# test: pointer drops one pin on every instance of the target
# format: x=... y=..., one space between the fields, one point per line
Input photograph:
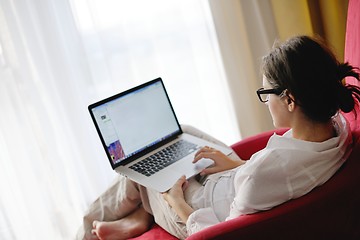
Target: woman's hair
x=309 y=70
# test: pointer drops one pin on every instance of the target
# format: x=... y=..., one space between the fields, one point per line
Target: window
x=130 y=42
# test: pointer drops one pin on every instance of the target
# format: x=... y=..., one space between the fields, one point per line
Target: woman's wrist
x=183 y=209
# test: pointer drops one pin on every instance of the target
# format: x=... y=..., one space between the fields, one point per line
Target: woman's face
x=277 y=107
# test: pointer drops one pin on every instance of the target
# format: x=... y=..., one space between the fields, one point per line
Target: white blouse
x=285 y=169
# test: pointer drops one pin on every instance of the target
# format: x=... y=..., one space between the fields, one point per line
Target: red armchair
x=330 y=211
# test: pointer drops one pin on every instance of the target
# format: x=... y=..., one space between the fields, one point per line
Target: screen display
x=136 y=120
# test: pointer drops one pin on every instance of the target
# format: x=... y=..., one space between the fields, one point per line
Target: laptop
x=143 y=139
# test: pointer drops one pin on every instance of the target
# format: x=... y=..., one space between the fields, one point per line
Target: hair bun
x=345 y=99
x=345 y=70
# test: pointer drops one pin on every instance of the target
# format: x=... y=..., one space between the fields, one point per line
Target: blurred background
x=59 y=56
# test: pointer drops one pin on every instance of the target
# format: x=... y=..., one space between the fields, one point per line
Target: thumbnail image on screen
x=116 y=151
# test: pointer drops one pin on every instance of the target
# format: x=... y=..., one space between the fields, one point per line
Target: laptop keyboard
x=164 y=158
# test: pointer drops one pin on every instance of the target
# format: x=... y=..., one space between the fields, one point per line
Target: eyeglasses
x=263 y=94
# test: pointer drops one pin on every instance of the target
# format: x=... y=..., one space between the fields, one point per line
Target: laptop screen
x=135 y=122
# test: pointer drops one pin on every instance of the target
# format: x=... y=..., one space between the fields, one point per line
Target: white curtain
x=246 y=31
x=57 y=57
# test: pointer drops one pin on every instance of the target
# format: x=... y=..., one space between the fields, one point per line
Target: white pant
x=124 y=196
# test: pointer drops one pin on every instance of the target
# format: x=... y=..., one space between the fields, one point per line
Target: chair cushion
x=155 y=232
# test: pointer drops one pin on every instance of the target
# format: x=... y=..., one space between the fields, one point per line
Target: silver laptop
x=143 y=139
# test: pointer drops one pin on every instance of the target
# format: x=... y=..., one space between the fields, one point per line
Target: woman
x=303 y=88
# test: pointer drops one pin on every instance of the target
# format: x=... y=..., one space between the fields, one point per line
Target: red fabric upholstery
x=352 y=48
x=155 y=233
x=331 y=211
x=352 y=40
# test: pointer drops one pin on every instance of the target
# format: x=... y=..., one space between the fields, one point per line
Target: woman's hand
x=176 y=200
x=176 y=193
x=221 y=161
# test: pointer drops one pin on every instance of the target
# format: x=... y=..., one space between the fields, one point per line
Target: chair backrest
x=352 y=50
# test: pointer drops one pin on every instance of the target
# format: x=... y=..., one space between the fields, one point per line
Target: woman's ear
x=290 y=102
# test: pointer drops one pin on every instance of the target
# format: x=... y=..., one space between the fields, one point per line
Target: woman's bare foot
x=130 y=226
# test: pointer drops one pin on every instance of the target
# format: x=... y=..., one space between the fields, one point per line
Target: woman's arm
x=175 y=198
x=221 y=161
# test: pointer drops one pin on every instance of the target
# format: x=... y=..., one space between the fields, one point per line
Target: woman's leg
x=200 y=134
x=130 y=226
x=120 y=200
